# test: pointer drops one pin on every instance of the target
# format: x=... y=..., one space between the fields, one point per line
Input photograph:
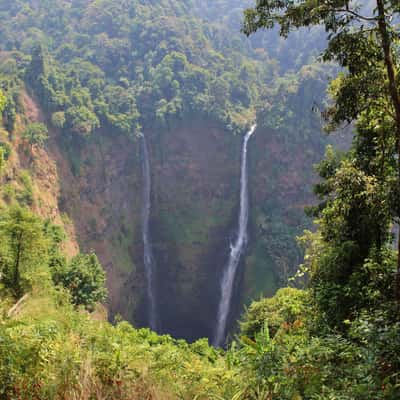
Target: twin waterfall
x=148 y=258
x=229 y=274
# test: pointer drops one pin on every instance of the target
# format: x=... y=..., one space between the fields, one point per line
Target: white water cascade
x=229 y=274
x=148 y=258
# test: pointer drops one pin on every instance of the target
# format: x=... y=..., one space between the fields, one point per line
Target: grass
x=49 y=350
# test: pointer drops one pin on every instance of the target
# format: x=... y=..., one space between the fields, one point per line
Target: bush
x=58 y=119
x=284 y=309
x=35 y=134
x=85 y=279
x=2 y=101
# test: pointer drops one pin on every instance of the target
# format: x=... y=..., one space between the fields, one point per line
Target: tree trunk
x=17 y=275
x=386 y=44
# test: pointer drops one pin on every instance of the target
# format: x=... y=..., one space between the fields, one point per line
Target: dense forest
x=84 y=84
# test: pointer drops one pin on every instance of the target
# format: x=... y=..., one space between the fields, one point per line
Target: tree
x=37 y=69
x=2 y=105
x=84 y=277
x=2 y=160
x=281 y=311
x=31 y=254
x=363 y=42
x=349 y=258
x=58 y=119
x=2 y=101
x=35 y=134
x=23 y=249
x=81 y=120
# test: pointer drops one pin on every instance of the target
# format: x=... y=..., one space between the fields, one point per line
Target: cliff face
x=101 y=193
x=31 y=176
x=281 y=179
x=195 y=168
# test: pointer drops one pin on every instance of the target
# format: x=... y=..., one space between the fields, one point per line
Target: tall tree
x=2 y=101
x=361 y=38
x=37 y=67
x=36 y=135
x=23 y=249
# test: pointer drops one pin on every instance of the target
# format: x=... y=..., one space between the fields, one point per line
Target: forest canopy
x=107 y=63
x=124 y=65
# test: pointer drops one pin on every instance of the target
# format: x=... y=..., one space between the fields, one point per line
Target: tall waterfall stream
x=149 y=263
x=229 y=274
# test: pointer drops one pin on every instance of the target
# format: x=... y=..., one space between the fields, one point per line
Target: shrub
x=85 y=279
x=284 y=309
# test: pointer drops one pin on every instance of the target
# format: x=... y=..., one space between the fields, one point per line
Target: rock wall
x=196 y=167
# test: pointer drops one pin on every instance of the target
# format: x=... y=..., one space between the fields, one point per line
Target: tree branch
x=359 y=16
x=15 y=307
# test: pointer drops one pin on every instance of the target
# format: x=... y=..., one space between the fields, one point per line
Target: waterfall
x=229 y=274
x=148 y=258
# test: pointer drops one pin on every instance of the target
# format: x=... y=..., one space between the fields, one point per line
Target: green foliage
x=5 y=150
x=2 y=101
x=30 y=253
x=287 y=307
x=129 y=70
x=302 y=361
x=358 y=189
x=292 y=98
x=121 y=65
x=84 y=278
x=69 y=356
x=350 y=251
x=58 y=119
x=51 y=350
x=35 y=134
x=10 y=86
x=2 y=160
x=23 y=250
x=10 y=114
x=82 y=120
x=25 y=195
x=350 y=264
